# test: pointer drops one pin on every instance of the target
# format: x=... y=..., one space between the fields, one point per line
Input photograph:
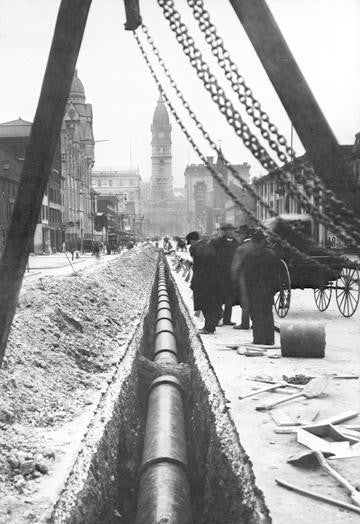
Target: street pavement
x=61 y=264
x=268 y=450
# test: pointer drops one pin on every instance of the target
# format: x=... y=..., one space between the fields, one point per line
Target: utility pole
x=44 y=137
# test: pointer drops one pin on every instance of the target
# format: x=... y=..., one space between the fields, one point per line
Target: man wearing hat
x=203 y=283
x=225 y=246
x=261 y=270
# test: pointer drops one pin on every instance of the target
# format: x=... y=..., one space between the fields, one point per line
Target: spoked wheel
x=348 y=291
x=283 y=296
x=322 y=297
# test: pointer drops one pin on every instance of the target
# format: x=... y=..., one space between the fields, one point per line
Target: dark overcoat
x=261 y=269
x=224 y=249
x=203 y=282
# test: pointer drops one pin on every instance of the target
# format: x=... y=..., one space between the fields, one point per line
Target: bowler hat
x=227 y=225
x=193 y=235
x=258 y=234
x=244 y=228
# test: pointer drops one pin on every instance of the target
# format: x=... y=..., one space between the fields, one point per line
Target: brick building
x=14 y=137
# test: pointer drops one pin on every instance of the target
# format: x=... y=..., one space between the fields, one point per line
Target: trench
x=102 y=487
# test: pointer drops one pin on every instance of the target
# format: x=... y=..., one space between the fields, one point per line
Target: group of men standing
x=236 y=268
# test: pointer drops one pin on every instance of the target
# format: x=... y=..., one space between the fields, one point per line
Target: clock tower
x=161 y=174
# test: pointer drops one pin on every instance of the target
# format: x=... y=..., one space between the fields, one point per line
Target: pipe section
x=164 y=490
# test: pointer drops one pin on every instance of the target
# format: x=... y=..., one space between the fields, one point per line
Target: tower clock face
x=161 y=134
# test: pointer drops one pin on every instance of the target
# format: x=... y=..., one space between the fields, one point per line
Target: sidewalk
x=60 y=264
x=268 y=450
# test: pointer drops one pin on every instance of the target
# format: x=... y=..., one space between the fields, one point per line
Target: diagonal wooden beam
x=45 y=132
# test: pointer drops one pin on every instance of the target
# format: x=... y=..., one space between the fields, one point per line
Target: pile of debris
x=66 y=338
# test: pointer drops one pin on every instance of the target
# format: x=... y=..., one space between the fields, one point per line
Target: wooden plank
x=318 y=496
x=281 y=418
x=336 y=419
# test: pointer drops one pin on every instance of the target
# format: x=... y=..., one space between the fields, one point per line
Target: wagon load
x=324 y=272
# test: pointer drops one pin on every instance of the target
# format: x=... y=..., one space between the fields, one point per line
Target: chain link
x=208 y=138
x=260 y=118
x=234 y=118
x=276 y=238
x=245 y=95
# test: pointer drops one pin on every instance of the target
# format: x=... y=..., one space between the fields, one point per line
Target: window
x=6 y=165
x=110 y=183
x=99 y=183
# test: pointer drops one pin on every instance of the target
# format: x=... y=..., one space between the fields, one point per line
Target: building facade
x=77 y=160
x=271 y=189
x=10 y=172
x=66 y=211
x=14 y=137
x=125 y=185
x=207 y=204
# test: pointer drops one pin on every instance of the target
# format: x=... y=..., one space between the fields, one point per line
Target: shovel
x=314 y=388
x=268 y=388
x=311 y=458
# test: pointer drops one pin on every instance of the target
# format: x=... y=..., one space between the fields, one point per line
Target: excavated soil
x=68 y=336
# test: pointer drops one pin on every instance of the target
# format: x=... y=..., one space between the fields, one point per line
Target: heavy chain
x=245 y=95
x=208 y=138
x=234 y=118
x=260 y=118
x=276 y=238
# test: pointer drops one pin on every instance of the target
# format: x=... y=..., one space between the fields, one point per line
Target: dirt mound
x=67 y=335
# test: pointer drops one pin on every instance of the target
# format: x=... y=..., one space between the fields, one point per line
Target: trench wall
x=102 y=487
x=221 y=476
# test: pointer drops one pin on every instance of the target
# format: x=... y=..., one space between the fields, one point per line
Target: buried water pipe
x=164 y=488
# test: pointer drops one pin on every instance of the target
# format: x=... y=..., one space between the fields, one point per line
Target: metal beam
x=45 y=131
x=294 y=93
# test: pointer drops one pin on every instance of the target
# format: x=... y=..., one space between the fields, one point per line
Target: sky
x=323 y=35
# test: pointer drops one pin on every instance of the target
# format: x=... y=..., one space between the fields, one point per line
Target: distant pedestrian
x=203 y=283
x=225 y=247
x=181 y=245
x=237 y=274
x=261 y=270
x=72 y=251
x=96 y=250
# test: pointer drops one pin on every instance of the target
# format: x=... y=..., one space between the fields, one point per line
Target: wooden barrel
x=302 y=339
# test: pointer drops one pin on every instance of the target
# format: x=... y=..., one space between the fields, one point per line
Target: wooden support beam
x=45 y=132
x=295 y=94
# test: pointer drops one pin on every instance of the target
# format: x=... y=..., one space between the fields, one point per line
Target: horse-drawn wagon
x=323 y=272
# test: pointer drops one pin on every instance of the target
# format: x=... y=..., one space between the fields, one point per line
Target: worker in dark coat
x=237 y=274
x=261 y=270
x=203 y=283
x=225 y=247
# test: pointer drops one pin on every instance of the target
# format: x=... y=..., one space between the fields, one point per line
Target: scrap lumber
x=317 y=496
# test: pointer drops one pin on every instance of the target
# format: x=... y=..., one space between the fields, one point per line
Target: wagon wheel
x=322 y=296
x=347 y=291
x=283 y=296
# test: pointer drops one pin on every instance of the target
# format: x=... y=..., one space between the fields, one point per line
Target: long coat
x=204 y=275
x=237 y=271
x=225 y=249
x=261 y=270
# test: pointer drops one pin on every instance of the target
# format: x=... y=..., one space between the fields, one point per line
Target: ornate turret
x=161 y=176
x=77 y=91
